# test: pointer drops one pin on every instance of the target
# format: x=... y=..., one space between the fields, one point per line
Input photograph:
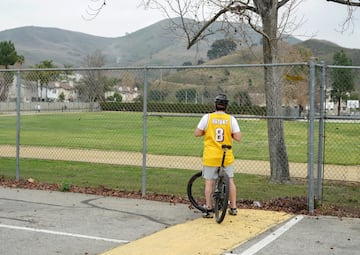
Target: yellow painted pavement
x=204 y=236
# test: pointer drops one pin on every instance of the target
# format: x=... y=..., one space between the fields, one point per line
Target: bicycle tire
x=221 y=197
x=197 y=198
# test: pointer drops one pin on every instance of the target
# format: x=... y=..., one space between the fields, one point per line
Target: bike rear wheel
x=221 y=197
x=195 y=191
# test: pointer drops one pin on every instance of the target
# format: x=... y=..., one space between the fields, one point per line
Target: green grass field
x=168 y=136
x=171 y=135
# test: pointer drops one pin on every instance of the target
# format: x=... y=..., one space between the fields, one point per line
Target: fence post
x=143 y=186
x=18 y=99
x=311 y=135
x=320 y=165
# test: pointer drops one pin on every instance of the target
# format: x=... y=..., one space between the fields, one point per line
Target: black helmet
x=221 y=102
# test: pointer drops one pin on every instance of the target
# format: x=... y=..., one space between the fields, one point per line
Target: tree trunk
x=279 y=164
x=339 y=106
x=2 y=89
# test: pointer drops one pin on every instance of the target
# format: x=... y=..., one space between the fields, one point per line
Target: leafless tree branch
x=351 y=4
x=346 y=2
x=92 y=12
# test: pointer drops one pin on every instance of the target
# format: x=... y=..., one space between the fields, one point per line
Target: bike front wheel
x=221 y=197
x=195 y=191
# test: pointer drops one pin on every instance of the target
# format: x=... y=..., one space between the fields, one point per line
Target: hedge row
x=180 y=108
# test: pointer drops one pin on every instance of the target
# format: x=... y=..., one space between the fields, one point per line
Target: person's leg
x=232 y=195
x=209 y=183
x=232 y=190
x=209 y=175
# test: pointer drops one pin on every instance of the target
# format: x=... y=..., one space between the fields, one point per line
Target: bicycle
x=195 y=190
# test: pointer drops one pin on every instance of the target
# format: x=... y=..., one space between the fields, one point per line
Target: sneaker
x=208 y=214
x=233 y=211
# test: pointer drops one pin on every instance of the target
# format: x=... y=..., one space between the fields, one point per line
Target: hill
x=63 y=47
x=151 y=45
x=157 y=44
x=324 y=50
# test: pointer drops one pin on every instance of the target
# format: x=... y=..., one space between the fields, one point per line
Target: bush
x=180 y=108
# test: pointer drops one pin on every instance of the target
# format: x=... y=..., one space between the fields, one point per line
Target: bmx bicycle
x=220 y=195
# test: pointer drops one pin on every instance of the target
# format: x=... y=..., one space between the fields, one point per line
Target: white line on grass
x=271 y=237
x=62 y=233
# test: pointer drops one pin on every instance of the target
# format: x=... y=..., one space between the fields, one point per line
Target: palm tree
x=45 y=76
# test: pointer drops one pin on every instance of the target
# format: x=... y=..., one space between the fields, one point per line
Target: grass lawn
x=168 y=136
x=171 y=135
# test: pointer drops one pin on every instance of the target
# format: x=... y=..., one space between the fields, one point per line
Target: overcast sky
x=322 y=19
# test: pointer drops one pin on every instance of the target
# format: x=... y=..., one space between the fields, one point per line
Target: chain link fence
x=339 y=119
x=146 y=117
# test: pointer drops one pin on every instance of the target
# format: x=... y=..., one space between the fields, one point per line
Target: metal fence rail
x=159 y=107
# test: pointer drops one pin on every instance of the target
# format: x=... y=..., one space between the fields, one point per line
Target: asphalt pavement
x=48 y=222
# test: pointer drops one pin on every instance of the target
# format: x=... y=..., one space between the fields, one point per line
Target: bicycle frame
x=221 y=168
x=221 y=190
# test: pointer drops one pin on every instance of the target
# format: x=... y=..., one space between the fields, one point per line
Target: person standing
x=218 y=128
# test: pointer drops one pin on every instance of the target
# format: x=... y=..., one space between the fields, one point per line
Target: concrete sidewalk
x=45 y=222
x=310 y=235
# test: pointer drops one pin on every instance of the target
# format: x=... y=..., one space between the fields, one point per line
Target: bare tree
x=261 y=16
x=197 y=18
x=92 y=85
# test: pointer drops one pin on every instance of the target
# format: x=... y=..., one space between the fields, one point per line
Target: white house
x=128 y=95
x=31 y=91
x=55 y=89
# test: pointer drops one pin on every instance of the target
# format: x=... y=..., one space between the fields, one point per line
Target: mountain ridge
x=152 y=45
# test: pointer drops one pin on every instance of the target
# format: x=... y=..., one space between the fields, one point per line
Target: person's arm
x=198 y=132
x=236 y=136
x=200 y=129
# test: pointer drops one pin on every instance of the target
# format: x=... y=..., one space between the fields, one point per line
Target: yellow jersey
x=217 y=133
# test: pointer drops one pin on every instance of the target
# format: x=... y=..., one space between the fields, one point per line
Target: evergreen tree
x=221 y=48
x=8 y=54
x=8 y=57
x=342 y=79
